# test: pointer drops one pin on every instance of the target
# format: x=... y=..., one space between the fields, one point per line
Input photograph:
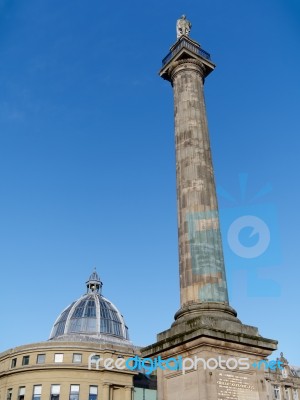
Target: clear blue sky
x=87 y=158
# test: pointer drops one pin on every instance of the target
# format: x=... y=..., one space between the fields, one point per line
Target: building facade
x=283 y=384
x=71 y=364
x=60 y=370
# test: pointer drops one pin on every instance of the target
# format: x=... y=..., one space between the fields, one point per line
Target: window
x=295 y=394
x=77 y=358
x=58 y=357
x=9 y=394
x=94 y=361
x=93 y=394
x=284 y=372
x=276 y=392
x=13 y=363
x=55 y=392
x=74 y=392
x=287 y=393
x=25 y=360
x=21 y=393
x=37 y=391
x=40 y=358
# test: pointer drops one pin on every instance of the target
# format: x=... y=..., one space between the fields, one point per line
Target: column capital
x=184 y=50
x=189 y=64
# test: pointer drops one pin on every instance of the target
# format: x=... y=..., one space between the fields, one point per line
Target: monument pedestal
x=221 y=352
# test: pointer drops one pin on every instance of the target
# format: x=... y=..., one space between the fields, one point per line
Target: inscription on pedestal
x=233 y=386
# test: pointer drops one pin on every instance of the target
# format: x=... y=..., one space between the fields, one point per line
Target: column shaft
x=106 y=392
x=128 y=393
x=202 y=271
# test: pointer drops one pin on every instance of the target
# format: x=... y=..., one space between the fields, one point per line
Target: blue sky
x=87 y=169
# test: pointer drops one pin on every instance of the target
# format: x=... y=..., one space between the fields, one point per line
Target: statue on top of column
x=183 y=27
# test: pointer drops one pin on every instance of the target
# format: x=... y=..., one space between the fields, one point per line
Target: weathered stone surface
x=202 y=270
x=209 y=339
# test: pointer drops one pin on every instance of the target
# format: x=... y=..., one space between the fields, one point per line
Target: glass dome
x=91 y=317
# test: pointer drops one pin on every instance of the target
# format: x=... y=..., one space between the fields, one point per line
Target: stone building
x=66 y=366
x=283 y=384
x=69 y=365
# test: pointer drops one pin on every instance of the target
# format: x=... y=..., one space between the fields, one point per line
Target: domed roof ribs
x=92 y=317
x=75 y=304
x=94 y=283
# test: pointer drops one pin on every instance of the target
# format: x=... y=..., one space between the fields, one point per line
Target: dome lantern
x=94 y=283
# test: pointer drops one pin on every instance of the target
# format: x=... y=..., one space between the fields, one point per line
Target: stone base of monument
x=215 y=357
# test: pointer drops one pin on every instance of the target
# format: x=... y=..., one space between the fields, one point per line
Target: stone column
x=106 y=391
x=128 y=393
x=202 y=271
x=206 y=326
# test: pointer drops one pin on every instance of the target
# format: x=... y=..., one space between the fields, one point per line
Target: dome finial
x=94 y=283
